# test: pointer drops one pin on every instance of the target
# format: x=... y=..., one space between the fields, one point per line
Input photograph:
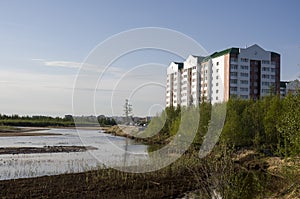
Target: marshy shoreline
x=45 y=149
x=188 y=177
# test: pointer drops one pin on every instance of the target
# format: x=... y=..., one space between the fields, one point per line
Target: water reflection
x=32 y=165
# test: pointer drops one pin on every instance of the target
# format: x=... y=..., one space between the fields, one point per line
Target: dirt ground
x=45 y=149
x=100 y=184
x=24 y=131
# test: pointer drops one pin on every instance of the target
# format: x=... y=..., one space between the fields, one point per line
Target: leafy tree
x=273 y=111
x=289 y=126
x=127 y=111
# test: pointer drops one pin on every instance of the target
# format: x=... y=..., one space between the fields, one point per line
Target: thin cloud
x=37 y=59
x=79 y=65
x=66 y=64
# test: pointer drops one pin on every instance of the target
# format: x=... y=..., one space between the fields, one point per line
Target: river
x=111 y=151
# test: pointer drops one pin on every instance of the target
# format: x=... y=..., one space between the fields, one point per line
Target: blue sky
x=44 y=42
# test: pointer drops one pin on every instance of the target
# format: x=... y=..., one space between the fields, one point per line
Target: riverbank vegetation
x=269 y=128
x=48 y=121
x=270 y=125
x=34 y=121
x=261 y=139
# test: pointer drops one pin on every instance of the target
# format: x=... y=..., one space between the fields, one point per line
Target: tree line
x=271 y=124
x=39 y=120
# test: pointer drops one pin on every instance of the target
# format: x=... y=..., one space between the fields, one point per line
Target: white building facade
x=249 y=73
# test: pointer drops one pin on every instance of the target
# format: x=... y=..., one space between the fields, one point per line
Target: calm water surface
x=112 y=151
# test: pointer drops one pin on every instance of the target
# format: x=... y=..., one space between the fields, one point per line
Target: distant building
x=287 y=87
x=283 y=88
x=68 y=117
x=293 y=87
x=247 y=73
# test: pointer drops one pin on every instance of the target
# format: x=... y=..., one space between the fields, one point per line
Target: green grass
x=4 y=128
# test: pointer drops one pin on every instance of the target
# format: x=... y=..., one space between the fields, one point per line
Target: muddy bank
x=24 y=131
x=9 y=131
x=45 y=149
x=15 y=134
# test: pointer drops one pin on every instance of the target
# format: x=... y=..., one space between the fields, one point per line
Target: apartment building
x=247 y=73
x=183 y=82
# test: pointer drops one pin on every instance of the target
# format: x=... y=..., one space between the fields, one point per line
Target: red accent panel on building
x=275 y=58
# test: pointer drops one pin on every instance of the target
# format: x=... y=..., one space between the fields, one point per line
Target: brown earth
x=45 y=149
x=25 y=131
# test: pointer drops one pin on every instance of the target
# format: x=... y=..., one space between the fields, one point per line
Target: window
x=272 y=76
x=244 y=96
x=217 y=63
x=265 y=83
x=244 y=67
x=272 y=70
x=244 y=60
x=233 y=74
x=217 y=77
x=217 y=98
x=217 y=91
x=233 y=88
x=244 y=81
x=265 y=90
x=217 y=84
x=233 y=81
x=265 y=62
x=217 y=70
x=233 y=59
x=266 y=76
x=244 y=89
x=244 y=74
x=233 y=66
x=265 y=69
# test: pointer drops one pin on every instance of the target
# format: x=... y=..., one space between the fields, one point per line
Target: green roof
x=218 y=54
x=180 y=65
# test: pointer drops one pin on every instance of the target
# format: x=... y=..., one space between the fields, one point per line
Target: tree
x=289 y=126
x=127 y=111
